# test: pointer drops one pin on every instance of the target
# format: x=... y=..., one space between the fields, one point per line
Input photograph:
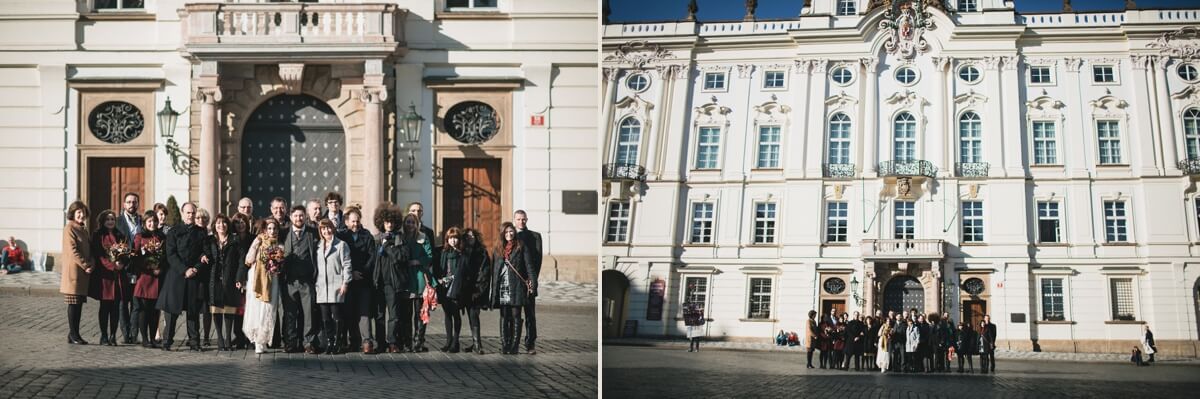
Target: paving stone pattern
x=35 y=361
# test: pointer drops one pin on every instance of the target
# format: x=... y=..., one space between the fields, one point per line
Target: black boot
x=74 y=312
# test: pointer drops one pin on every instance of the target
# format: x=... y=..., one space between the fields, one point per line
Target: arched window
x=629 y=137
x=839 y=139
x=1191 y=132
x=905 y=138
x=970 y=138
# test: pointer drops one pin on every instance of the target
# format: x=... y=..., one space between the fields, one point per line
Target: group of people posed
x=908 y=342
x=309 y=278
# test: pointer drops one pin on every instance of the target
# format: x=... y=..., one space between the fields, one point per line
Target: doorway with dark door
x=473 y=197
x=903 y=293
x=973 y=312
x=839 y=304
x=110 y=178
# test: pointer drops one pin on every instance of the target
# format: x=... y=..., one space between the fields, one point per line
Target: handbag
x=528 y=285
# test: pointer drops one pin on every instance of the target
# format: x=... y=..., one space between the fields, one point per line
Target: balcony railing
x=912 y=168
x=971 y=169
x=630 y=172
x=902 y=249
x=223 y=29
x=1190 y=166
x=839 y=170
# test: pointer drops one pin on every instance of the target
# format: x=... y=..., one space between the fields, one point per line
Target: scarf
x=508 y=248
x=262 y=278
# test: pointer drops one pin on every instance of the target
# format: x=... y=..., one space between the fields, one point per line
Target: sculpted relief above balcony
x=305 y=31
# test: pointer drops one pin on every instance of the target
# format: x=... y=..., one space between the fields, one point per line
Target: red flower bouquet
x=120 y=252
x=273 y=258
x=153 y=251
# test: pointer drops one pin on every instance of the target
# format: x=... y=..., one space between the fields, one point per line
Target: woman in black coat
x=476 y=290
x=450 y=273
x=224 y=284
x=967 y=346
x=513 y=280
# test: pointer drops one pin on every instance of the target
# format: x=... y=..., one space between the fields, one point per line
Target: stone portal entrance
x=294 y=147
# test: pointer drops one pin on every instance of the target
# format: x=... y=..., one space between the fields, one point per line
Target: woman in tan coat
x=76 y=267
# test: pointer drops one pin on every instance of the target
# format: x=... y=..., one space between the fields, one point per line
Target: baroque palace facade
x=886 y=155
x=464 y=105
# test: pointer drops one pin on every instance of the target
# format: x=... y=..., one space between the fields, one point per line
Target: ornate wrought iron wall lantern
x=410 y=129
x=181 y=161
x=854 y=290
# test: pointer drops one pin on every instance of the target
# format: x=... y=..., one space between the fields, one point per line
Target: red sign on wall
x=654 y=306
x=537 y=120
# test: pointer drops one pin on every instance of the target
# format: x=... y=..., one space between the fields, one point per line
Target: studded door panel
x=294 y=148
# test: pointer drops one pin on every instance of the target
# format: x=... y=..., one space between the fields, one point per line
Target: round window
x=638 y=82
x=906 y=76
x=1188 y=72
x=969 y=73
x=835 y=285
x=116 y=122
x=842 y=75
x=471 y=122
x=973 y=286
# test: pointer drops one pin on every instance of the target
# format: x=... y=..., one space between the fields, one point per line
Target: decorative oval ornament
x=471 y=122
x=835 y=285
x=973 y=286
x=116 y=122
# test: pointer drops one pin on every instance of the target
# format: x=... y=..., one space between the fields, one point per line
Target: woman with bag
x=477 y=288
x=450 y=274
x=513 y=266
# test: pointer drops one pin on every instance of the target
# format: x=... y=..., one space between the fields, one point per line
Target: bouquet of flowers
x=153 y=251
x=119 y=252
x=273 y=258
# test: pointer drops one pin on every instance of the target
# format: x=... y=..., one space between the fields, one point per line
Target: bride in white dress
x=262 y=289
x=881 y=357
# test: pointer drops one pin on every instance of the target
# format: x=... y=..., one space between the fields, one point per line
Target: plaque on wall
x=579 y=202
x=1018 y=317
x=654 y=306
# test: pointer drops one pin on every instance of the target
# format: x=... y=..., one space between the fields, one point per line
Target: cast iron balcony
x=902 y=249
x=624 y=172
x=1190 y=166
x=914 y=168
x=839 y=170
x=971 y=169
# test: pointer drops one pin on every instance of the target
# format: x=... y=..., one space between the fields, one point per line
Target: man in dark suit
x=130 y=224
x=299 y=280
x=987 y=337
x=333 y=211
x=183 y=283
x=855 y=334
x=532 y=241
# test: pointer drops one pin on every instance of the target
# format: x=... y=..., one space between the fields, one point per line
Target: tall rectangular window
x=845 y=7
x=714 y=81
x=695 y=290
x=1048 y=221
x=836 y=221
x=968 y=5
x=839 y=139
x=760 y=298
x=764 y=223
x=703 y=217
x=768 y=147
x=1122 y=298
x=708 y=148
x=629 y=138
x=972 y=221
x=905 y=140
x=774 y=80
x=905 y=220
x=970 y=138
x=1040 y=74
x=618 y=222
x=1109 y=135
x=1191 y=132
x=1103 y=74
x=1052 y=299
x=1045 y=146
x=1115 y=222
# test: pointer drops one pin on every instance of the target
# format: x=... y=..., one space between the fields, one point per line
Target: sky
x=710 y=10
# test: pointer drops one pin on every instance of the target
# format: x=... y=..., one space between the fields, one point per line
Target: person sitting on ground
x=1137 y=357
x=11 y=257
x=781 y=338
x=793 y=339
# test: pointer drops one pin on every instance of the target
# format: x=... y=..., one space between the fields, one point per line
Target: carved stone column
x=208 y=96
x=373 y=98
x=870 y=158
x=1165 y=115
x=869 y=287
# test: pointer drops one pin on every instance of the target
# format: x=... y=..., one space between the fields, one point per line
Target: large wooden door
x=973 y=312
x=473 y=196
x=903 y=293
x=110 y=178
x=839 y=304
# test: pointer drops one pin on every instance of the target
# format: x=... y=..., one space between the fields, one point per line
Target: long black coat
x=532 y=241
x=521 y=261
x=226 y=264
x=855 y=329
x=453 y=263
x=390 y=261
x=968 y=342
x=479 y=287
x=185 y=246
x=362 y=245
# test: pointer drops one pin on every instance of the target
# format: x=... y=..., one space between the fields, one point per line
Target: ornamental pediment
x=712 y=113
x=638 y=54
x=772 y=111
x=970 y=99
x=1183 y=43
x=906 y=99
x=1191 y=92
x=840 y=101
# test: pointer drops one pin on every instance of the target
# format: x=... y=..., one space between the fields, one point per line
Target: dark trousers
x=968 y=359
x=331 y=313
x=453 y=323
x=301 y=319
x=418 y=326
x=987 y=361
x=530 y=323
x=510 y=328
x=473 y=320
x=826 y=357
x=193 y=328
x=399 y=317
x=857 y=360
x=147 y=317
x=369 y=307
x=940 y=359
x=897 y=353
x=108 y=319
x=810 y=353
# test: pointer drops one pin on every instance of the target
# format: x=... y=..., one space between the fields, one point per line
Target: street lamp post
x=410 y=128
x=854 y=290
x=181 y=162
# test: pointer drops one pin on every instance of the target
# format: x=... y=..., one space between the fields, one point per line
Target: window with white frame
x=764 y=223
x=1191 y=132
x=972 y=221
x=905 y=138
x=618 y=222
x=768 y=147
x=703 y=218
x=1052 y=299
x=1040 y=75
x=969 y=73
x=905 y=220
x=470 y=4
x=1187 y=72
x=906 y=76
x=1045 y=145
x=637 y=82
x=1049 y=222
x=708 y=147
x=1104 y=74
x=842 y=76
x=845 y=7
x=119 y=5
x=837 y=223
x=695 y=290
x=1116 y=222
x=1108 y=133
x=714 y=81
x=968 y=5
x=839 y=139
x=774 y=80
x=760 y=298
x=1121 y=292
x=629 y=138
x=970 y=138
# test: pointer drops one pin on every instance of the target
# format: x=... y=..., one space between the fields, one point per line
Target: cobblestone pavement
x=1000 y=354
x=35 y=361
x=662 y=372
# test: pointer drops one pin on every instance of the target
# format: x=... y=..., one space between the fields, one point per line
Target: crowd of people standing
x=908 y=342
x=309 y=278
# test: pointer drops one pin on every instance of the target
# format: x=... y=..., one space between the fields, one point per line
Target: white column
x=209 y=96
x=373 y=98
x=1013 y=128
x=1166 y=118
x=870 y=134
x=803 y=144
x=654 y=130
x=939 y=133
x=994 y=126
x=1141 y=131
x=610 y=90
x=815 y=91
x=1078 y=143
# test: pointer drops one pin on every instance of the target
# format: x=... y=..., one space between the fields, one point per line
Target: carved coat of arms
x=905 y=21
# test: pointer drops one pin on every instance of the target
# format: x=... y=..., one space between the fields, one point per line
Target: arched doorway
x=616 y=289
x=902 y=293
x=293 y=147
